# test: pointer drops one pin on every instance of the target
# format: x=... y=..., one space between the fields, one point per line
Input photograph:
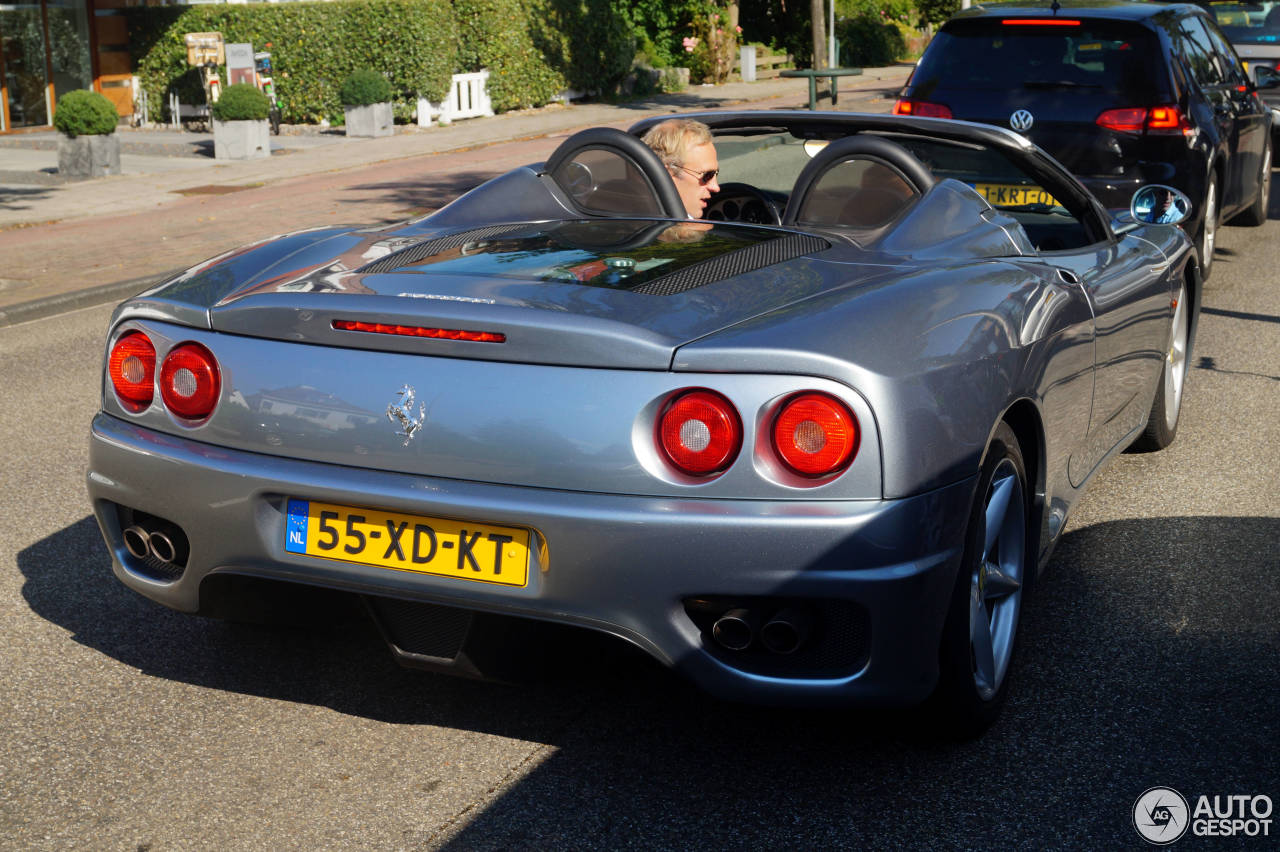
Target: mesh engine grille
x=738 y=262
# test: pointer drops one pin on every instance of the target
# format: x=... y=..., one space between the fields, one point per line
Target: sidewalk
x=53 y=230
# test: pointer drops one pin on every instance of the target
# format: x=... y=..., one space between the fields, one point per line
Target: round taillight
x=815 y=434
x=132 y=367
x=700 y=432
x=189 y=381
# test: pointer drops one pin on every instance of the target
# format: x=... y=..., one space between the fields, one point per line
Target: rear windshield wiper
x=1059 y=84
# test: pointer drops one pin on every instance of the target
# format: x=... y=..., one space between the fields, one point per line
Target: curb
x=52 y=305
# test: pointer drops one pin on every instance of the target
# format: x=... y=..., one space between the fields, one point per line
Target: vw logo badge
x=1021 y=120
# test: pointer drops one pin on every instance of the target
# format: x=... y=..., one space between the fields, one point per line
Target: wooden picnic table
x=814 y=73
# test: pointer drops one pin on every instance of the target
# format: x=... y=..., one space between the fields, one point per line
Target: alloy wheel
x=1265 y=189
x=1209 y=230
x=995 y=588
x=1175 y=362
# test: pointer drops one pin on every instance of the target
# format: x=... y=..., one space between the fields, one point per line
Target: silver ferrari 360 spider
x=810 y=449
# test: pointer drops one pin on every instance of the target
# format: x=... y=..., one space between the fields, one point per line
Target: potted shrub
x=240 y=129
x=88 y=146
x=366 y=104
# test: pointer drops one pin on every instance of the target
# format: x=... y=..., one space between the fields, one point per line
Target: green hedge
x=590 y=42
x=314 y=47
x=868 y=40
x=495 y=34
x=534 y=49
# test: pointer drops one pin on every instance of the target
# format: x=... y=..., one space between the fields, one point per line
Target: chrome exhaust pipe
x=163 y=543
x=786 y=631
x=736 y=629
x=162 y=547
x=136 y=541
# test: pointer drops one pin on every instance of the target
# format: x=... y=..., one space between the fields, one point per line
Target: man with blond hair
x=686 y=149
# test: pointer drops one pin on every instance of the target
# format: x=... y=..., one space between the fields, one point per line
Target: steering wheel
x=742 y=202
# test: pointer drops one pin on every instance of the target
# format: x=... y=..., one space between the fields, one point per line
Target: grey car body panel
x=568 y=428
x=600 y=561
x=931 y=332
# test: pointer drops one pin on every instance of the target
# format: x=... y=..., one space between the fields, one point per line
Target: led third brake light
x=420 y=331
x=1040 y=22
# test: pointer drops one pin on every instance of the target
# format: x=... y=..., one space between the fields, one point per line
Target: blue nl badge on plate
x=295 y=535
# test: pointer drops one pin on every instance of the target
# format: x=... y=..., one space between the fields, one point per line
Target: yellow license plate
x=461 y=549
x=1014 y=195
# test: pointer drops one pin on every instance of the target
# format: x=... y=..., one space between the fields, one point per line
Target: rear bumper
x=618 y=564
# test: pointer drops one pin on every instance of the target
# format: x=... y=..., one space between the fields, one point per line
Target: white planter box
x=88 y=156
x=241 y=140
x=371 y=120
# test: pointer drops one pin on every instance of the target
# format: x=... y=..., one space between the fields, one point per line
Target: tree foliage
x=936 y=11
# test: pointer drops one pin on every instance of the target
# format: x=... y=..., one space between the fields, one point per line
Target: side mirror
x=1265 y=77
x=1156 y=204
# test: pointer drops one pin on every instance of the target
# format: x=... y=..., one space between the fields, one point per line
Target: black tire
x=1207 y=238
x=1162 y=422
x=986 y=601
x=1256 y=213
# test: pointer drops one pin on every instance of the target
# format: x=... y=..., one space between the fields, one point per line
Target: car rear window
x=1248 y=23
x=1110 y=56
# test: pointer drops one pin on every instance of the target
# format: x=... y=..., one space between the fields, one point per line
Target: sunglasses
x=704 y=178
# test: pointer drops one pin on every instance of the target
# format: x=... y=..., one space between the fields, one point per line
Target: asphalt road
x=1150 y=657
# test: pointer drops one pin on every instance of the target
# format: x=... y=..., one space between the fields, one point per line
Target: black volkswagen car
x=1122 y=94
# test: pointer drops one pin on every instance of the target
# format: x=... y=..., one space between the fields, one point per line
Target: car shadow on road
x=1147 y=658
